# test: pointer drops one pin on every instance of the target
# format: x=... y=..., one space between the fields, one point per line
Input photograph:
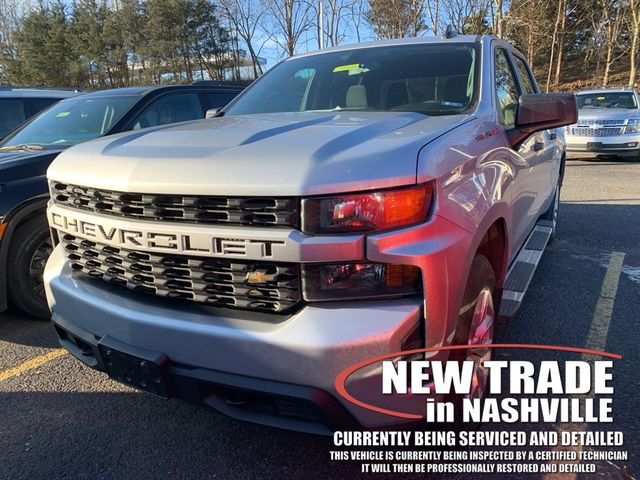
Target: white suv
x=608 y=124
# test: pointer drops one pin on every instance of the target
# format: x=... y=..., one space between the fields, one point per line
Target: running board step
x=521 y=271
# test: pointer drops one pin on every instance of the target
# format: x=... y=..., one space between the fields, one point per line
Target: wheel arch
x=493 y=245
x=492 y=241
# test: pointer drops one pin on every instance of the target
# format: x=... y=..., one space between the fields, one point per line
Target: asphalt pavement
x=59 y=419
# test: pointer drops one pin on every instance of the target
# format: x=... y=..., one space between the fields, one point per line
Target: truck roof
x=37 y=92
x=480 y=39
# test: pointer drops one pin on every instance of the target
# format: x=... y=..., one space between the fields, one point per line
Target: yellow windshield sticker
x=343 y=68
x=601 y=98
x=353 y=69
x=63 y=114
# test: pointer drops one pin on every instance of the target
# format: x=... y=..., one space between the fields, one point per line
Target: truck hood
x=303 y=153
x=607 y=114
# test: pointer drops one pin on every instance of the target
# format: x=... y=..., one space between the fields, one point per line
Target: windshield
x=589 y=101
x=433 y=79
x=72 y=121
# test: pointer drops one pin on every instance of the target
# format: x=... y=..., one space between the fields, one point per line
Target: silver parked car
x=608 y=124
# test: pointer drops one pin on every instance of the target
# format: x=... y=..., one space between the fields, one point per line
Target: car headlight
x=367 y=211
x=633 y=126
x=351 y=281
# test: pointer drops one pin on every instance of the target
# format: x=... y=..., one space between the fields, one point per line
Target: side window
x=179 y=107
x=292 y=97
x=12 y=114
x=39 y=104
x=506 y=89
x=525 y=76
x=216 y=100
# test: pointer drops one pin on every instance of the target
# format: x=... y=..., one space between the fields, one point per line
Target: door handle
x=553 y=135
x=538 y=146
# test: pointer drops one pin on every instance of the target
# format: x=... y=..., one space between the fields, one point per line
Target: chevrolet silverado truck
x=353 y=202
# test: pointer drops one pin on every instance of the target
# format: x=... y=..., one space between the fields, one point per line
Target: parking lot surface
x=60 y=419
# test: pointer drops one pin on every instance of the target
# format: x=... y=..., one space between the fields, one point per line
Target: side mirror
x=541 y=112
x=212 y=112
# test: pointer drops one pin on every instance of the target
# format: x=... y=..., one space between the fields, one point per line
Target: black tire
x=480 y=287
x=28 y=252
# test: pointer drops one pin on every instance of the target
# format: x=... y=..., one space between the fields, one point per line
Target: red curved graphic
x=342 y=376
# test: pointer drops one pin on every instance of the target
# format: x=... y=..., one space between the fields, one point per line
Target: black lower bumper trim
x=267 y=402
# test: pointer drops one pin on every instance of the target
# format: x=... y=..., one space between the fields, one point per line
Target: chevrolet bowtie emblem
x=260 y=276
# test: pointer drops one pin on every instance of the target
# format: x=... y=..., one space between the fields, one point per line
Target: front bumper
x=296 y=357
x=307 y=349
x=592 y=146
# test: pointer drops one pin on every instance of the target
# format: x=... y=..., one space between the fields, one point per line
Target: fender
x=497 y=213
x=15 y=217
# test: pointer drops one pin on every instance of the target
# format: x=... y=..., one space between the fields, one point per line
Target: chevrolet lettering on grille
x=185 y=243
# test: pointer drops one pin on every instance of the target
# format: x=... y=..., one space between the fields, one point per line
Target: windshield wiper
x=30 y=148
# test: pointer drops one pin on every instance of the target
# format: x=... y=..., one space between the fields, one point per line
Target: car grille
x=256 y=211
x=607 y=122
x=597 y=132
x=598 y=128
x=264 y=287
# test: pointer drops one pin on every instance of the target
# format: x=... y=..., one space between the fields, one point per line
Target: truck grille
x=256 y=211
x=262 y=287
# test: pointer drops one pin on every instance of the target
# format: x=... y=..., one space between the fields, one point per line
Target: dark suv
x=26 y=153
x=17 y=104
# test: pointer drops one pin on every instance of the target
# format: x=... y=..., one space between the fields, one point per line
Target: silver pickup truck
x=352 y=202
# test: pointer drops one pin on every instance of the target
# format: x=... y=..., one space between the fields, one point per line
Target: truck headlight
x=633 y=126
x=367 y=211
x=351 y=281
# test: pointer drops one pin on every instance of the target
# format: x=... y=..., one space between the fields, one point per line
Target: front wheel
x=28 y=253
x=476 y=326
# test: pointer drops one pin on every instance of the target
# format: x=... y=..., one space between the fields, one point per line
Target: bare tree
x=433 y=12
x=245 y=16
x=530 y=36
x=634 y=10
x=562 y=33
x=288 y=20
x=498 y=28
x=338 y=17
x=466 y=16
x=357 y=17
x=612 y=24
x=556 y=29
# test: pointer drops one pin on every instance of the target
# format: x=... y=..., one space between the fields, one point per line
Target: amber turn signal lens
x=355 y=281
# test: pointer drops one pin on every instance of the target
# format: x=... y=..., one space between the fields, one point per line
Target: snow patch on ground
x=632 y=273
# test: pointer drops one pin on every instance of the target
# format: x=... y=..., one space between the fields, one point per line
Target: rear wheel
x=28 y=253
x=476 y=326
